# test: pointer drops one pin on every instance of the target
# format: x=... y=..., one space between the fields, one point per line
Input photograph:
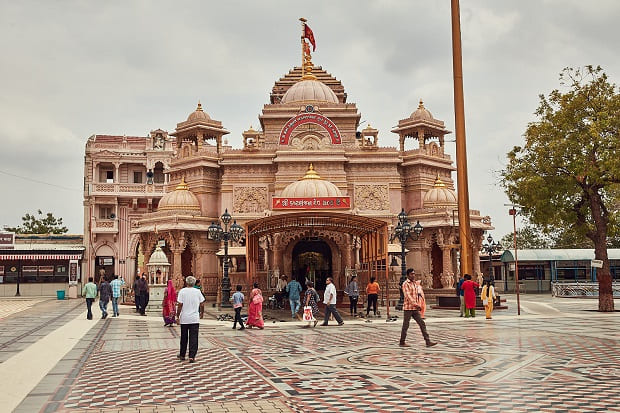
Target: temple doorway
x=312 y=260
x=437 y=261
x=186 y=262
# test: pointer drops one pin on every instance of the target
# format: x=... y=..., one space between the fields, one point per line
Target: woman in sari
x=169 y=305
x=255 y=311
x=488 y=296
x=310 y=299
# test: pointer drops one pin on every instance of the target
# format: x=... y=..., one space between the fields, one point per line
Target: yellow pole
x=461 y=151
x=303 y=33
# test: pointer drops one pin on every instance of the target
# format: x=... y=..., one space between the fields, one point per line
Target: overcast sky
x=73 y=69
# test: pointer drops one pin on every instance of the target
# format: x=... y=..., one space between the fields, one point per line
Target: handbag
x=257 y=299
x=308 y=316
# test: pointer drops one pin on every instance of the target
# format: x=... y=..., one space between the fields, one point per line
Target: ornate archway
x=372 y=234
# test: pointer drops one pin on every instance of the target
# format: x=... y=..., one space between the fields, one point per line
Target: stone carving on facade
x=249 y=199
x=310 y=142
x=372 y=197
x=447 y=280
x=426 y=280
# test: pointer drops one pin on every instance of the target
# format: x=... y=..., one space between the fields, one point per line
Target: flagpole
x=303 y=33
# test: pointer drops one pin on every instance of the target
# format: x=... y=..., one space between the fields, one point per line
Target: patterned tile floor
x=563 y=359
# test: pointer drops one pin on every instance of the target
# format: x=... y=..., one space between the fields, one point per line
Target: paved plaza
x=560 y=355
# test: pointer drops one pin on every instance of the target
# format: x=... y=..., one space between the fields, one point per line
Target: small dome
x=309 y=90
x=439 y=196
x=198 y=115
x=181 y=198
x=422 y=113
x=158 y=258
x=309 y=186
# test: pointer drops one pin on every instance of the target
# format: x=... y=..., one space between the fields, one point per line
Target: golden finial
x=182 y=186
x=421 y=105
x=439 y=183
x=199 y=106
x=311 y=173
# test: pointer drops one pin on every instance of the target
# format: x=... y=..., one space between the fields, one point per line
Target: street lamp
x=234 y=233
x=403 y=232
x=489 y=248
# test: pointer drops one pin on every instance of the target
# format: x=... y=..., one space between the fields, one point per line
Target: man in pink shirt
x=412 y=305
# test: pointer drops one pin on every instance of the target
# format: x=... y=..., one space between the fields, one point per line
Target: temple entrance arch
x=312 y=260
x=367 y=235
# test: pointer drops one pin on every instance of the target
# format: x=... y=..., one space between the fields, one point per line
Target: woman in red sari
x=469 y=293
x=169 y=305
x=255 y=311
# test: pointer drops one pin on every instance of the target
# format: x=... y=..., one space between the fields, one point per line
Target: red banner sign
x=318 y=202
x=303 y=118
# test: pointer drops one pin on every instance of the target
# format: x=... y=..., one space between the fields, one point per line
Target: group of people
x=141 y=293
x=467 y=289
x=109 y=289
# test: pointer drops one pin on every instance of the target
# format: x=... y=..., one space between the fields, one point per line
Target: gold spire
x=199 y=106
x=182 y=186
x=311 y=173
x=307 y=64
x=421 y=105
x=439 y=183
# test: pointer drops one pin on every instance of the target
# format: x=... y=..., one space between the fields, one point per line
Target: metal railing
x=587 y=289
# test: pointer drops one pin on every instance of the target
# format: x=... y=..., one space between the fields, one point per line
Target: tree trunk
x=601 y=221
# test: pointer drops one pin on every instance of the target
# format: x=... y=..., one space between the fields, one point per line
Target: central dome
x=309 y=90
x=310 y=185
x=179 y=199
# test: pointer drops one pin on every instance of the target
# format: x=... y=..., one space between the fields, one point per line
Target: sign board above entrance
x=314 y=118
x=318 y=202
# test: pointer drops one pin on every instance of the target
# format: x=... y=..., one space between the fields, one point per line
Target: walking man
x=293 y=289
x=143 y=291
x=330 y=302
x=116 y=285
x=237 y=299
x=411 y=308
x=105 y=293
x=90 y=292
x=189 y=303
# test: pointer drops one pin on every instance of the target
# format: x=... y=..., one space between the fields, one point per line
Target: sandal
x=192 y=360
x=181 y=358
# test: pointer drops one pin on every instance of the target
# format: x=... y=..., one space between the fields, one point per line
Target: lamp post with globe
x=403 y=232
x=216 y=233
x=489 y=248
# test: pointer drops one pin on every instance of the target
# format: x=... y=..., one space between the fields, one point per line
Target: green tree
x=32 y=224
x=567 y=174
x=528 y=237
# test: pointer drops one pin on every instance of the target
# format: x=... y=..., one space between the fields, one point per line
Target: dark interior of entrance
x=437 y=261
x=312 y=259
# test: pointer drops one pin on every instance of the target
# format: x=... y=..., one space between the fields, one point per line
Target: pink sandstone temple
x=317 y=195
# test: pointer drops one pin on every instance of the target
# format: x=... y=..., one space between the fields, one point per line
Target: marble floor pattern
x=565 y=360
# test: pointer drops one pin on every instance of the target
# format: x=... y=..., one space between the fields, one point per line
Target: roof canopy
x=350 y=224
x=557 y=255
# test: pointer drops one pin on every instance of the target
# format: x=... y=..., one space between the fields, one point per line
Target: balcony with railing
x=104 y=226
x=126 y=189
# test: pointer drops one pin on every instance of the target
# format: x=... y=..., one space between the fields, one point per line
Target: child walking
x=238 y=305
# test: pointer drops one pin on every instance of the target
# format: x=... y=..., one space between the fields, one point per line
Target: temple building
x=316 y=195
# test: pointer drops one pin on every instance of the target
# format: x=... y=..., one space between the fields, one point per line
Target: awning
x=395 y=249
x=232 y=252
x=40 y=257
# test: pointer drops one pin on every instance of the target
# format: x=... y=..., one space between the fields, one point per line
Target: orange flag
x=310 y=36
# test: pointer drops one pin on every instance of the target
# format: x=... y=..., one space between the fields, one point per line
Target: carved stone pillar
x=177 y=276
x=447 y=262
